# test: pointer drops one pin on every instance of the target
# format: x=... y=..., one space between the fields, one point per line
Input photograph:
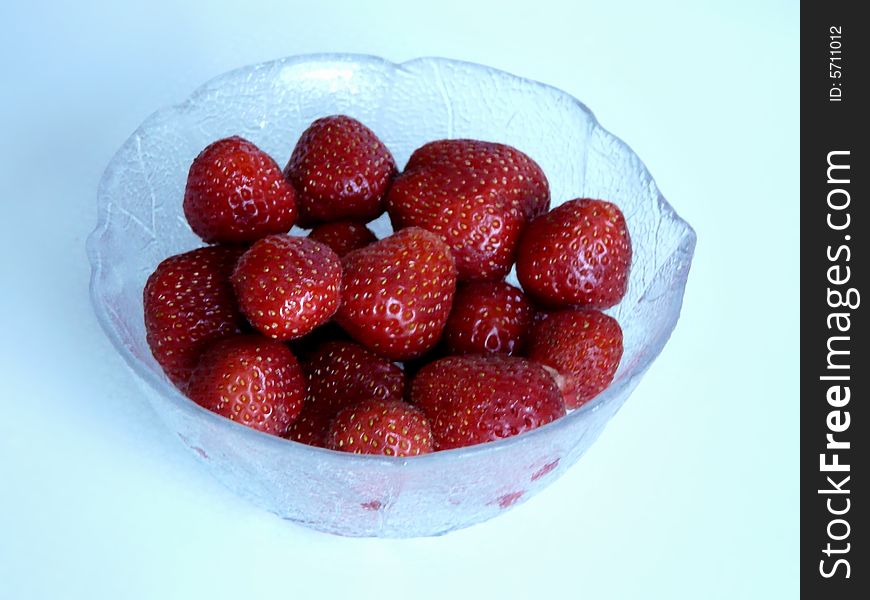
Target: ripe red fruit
x=287 y=286
x=250 y=379
x=343 y=236
x=488 y=317
x=481 y=398
x=306 y=346
x=584 y=347
x=397 y=293
x=340 y=170
x=413 y=366
x=342 y=373
x=310 y=428
x=189 y=303
x=236 y=193
x=577 y=254
x=477 y=196
x=388 y=427
x=522 y=179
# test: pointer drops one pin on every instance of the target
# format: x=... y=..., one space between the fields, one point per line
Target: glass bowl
x=408 y=104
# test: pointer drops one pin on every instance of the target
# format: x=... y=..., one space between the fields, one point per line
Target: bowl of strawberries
x=384 y=299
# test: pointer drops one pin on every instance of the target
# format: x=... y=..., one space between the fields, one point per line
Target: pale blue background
x=691 y=492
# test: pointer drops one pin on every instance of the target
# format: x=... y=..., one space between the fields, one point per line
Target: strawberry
x=578 y=254
x=250 y=379
x=306 y=346
x=477 y=196
x=342 y=373
x=340 y=170
x=310 y=428
x=528 y=186
x=236 y=193
x=189 y=303
x=480 y=398
x=397 y=293
x=488 y=317
x=287 y=286
x=412 y=366
x=387 y=427
x=583 y=347
x=343 y=236
x=339 y=374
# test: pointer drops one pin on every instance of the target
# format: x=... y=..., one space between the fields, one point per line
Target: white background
x=691 y=492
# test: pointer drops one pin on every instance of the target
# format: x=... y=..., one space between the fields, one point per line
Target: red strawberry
x=488 y=317
x=477 y=196
x=340 y=170
x=306 y=346
x=388 y=427
x=343 y=236
x=526 y=183
x=343 y=373
x=397 y=293
x=577 y=254
x=340 y=374
x=236 y=193
x=480 y=398
x=583 y=347
x=250 y=379
x=310 y=428
x=287 y=286
x=481 y=231
x=189 y=303
x=413 y=366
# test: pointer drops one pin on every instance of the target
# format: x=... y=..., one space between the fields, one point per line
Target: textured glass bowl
x=141 y=223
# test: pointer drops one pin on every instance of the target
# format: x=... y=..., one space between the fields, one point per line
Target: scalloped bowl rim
x=163 y=386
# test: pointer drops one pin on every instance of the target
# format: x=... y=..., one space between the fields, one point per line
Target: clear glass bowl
x=141 y=223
